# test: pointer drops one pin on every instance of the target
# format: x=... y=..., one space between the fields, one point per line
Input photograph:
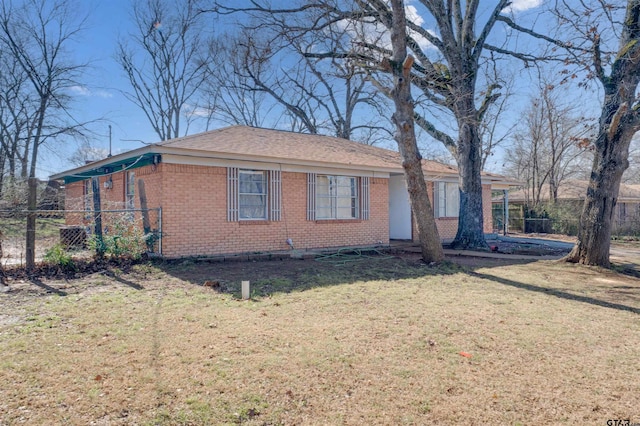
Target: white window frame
x=271 y=191
x=87 y=194
x=447 y=199
x=252 y=189
x=130 y=190
x=339 y=197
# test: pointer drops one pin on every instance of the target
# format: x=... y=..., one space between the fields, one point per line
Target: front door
x=399 y=209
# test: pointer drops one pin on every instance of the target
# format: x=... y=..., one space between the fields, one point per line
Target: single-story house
x=244 y=190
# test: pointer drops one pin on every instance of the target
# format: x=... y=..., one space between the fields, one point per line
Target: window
x=447 y=197
x=253 y=194
x=88 y=195
x=130 y=191
x=337 y=197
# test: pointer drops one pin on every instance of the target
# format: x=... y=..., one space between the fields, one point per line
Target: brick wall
x=194 y=212
x=448 y=226
x=112 y=197
x=195 y=217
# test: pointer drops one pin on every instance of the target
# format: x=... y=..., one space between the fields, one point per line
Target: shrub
x=121 y=239
x=58 y=256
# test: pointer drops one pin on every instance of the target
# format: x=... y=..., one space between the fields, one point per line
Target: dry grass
x=375 y=342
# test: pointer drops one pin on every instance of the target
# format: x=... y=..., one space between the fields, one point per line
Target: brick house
x=242 y=189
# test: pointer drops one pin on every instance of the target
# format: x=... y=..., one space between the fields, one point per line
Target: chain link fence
x=621 y=227
x=80 y=234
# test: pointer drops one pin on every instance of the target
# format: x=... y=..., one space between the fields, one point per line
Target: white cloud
x=376 y=33
x=522 y=5
x=414 y=16
x=80 y=90
x=193 y=111
x=85 y=91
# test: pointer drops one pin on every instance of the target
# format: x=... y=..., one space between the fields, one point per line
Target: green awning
x=115 y=167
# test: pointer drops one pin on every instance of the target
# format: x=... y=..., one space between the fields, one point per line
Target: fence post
x=97 y=215
x=32 y=205
x=146 y=223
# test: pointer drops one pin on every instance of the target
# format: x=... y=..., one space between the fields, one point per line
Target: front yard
x=375 y=341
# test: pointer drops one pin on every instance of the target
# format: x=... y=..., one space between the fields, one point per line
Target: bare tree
x=36 y=34
x=618 y=72
x=497 y=124
x=87 y=153
x=231 y=98
x=165 y=63
x=303 y=94
x=400 y=64
x=550 y=146
x=445 y=73
x=17 y=117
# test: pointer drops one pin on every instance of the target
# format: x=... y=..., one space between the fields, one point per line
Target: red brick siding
x=194 y=210
x=448 y=226
x=114 y=198
x=195 y=217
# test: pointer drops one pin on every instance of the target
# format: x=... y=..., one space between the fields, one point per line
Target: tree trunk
x=619 y=121
x=3 y=160
x=405 y=136
x=470 y=233
x=594 y=231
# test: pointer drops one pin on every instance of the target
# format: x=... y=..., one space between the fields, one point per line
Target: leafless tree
x=165 y=63
x=598 y=27
x=17 y=118
x=86 y=153
x=445 y=73
x=36 y=35
x=497 y=124
x=265 y=62
x=400 y=64
x=230 y=95
x=551 y=144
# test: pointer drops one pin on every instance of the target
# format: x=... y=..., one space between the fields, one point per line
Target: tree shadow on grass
x=48 y=288
x=121 y=280
x=287 y=275
x=555 y=292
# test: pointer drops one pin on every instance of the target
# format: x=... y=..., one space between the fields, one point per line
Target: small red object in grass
x=494 y=248
x=466 y=354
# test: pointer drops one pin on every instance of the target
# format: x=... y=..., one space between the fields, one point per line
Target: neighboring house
x=571 y=195
x=243 y=189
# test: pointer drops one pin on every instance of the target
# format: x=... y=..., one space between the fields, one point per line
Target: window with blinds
x=337 y=197
x=253 y=194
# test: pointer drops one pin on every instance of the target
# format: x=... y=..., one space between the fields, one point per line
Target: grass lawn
x=379 y=341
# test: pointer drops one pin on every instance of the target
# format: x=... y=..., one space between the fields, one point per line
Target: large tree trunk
x=470 y=233
x=594 y=232
x=430 y=243
x=619 y=121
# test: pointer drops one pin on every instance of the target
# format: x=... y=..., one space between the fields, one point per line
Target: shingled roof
x=270 y=146
x=283 y=146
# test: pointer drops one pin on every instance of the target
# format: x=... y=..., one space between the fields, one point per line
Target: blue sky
x=101 y=95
